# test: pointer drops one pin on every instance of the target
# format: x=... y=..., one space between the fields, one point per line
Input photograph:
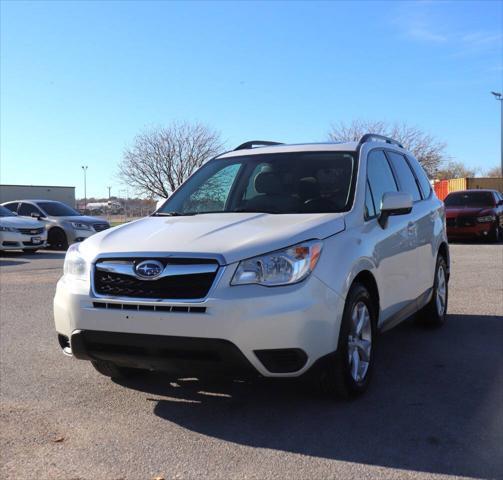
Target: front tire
x=349 y=371
x=496 y=233
x=57 y=239
x=435 y=312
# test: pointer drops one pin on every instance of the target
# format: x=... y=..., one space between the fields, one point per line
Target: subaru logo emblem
x=149 y=269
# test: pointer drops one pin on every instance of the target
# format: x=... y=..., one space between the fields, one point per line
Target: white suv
x=278 y=260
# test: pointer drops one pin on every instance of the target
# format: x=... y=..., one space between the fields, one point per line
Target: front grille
x=194 y=286
x=31 y=231
x=100 y=226
x=465 y=221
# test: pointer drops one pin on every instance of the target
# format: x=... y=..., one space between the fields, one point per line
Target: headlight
x=485 y=219
x=7 y=229
x=282 y=267
x=75 y=265
x=81 y=226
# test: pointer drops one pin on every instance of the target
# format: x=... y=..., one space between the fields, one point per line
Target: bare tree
x=454 y=169
x=428 y=150
x=494 y=172
x=161 y=159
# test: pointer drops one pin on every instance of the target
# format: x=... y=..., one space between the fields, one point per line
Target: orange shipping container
x=441 y=188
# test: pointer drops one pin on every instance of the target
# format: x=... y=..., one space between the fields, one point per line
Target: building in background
x=42 y=192
x=444 y=187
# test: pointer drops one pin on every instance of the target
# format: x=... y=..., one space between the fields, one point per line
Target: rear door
x=394 y=252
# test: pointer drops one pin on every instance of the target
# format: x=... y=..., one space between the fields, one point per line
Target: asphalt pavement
x=435 y=407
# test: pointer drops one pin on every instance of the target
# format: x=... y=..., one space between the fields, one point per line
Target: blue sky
x=80 y=79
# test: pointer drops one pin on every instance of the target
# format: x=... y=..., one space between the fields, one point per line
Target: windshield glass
x=5 y=212
x=470 y=199
x=56 y=209
x=298 y=182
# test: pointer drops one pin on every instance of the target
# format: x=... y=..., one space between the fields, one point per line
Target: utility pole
x=109 y=204
x=84 y=168
x=499 y=97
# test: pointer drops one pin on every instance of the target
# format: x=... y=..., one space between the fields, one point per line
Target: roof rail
x=258 y=143
x=368 y=137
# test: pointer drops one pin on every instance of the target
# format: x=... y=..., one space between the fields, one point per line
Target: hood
x=229 y=236
x=19 y=222
x=453 y=212
x=81 y=219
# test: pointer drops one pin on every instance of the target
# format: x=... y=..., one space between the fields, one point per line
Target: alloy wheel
x=441 y=293
x=359 y=342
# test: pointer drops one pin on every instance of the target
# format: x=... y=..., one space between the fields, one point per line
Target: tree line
x=161 y=159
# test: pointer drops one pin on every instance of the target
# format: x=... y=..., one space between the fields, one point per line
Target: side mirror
x=394 y=203
x=36 y=215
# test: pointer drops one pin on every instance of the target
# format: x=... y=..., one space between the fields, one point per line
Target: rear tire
x=109 y=369
x=57 y=239
x=435 y=312
x=349 y=371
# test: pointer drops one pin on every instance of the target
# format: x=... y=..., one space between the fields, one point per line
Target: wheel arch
x=443 y=250
x=367 y=279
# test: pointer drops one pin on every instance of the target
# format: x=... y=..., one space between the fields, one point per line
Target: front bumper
x=277 y=332
x=478 y=230
x=20 y=241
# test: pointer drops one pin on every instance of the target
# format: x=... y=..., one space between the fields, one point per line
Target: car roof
x=32 y=200
x=486 y=190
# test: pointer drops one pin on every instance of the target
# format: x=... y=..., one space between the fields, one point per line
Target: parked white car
x=280 y=261
x=64 y=224
x=20 y=233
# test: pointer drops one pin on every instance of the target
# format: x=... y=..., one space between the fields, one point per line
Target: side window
x=12 y=206
x=26 y=210
x=370 y=210
x=421 y=176
x=405 y=176
x=380 y=177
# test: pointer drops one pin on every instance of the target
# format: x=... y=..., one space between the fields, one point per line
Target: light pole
x=499 y=97
x=84 y=168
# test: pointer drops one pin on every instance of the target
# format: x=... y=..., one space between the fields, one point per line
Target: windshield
x=56 y=209
x=298 y=182
x=470 y=199
x=5 y=212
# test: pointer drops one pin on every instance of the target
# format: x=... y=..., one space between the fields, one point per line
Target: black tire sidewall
x=358 y=293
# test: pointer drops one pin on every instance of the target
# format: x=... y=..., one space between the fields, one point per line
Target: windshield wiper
x=251 y=210
x=168 y=214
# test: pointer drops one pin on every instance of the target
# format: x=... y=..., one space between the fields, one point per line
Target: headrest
x=268 y=183
x=308 y=188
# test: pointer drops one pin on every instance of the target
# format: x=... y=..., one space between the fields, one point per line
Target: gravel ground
x=434 y=408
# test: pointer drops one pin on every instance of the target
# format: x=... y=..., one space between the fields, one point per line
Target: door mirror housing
x=394 y=203
x=36 y=215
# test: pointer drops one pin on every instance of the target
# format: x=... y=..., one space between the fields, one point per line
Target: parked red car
x=474 y=214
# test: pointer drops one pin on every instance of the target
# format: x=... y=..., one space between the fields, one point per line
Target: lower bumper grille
x=149 y=308
x=181 y=355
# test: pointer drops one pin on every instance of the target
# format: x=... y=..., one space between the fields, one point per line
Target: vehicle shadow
x=21 y=257
x=430 y=407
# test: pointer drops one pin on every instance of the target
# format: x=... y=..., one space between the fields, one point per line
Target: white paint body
x=16 y=240
x=307 y=315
